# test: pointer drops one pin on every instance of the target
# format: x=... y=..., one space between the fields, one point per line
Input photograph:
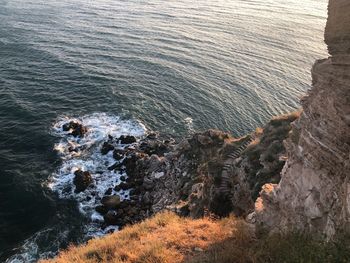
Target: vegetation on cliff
x=167 y=238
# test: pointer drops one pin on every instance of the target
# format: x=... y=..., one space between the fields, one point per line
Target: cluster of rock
x=74 y=128
x=208 y=173
x=314 y=192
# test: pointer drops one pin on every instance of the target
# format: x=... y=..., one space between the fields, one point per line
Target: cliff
x=314 y=192
x=291 y=175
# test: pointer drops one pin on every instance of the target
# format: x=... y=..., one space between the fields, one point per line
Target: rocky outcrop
x=314 y=192
x=209 y=173
x=75 y=128
x=82 y=180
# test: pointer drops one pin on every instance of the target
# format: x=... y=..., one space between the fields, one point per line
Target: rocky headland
x=292 y=174
x=209 y=173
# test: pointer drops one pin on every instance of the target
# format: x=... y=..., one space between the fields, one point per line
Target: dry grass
x=165 y=238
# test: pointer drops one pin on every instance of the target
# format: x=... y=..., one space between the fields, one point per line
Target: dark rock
x=120 y=212
x=204 y=140
x=109 y=191
x=76 y=129
x=135 y=191
x=148 y=183
x=117 y=188
x=154 y=147
x=118 y=154
x=117 y=165
x=127 y=139
x=138 y=182
x=131 y=164
x=146 y=198
x=122 y=178
x=152 y=136
x=111 y=218
x=124 y=186
x=134 y=197
x=72 y=149
x=132 y=211
x=101 y=209
x=124 y=204
x=106 y=147
x=81 y=180
x=221 y=205
x=66 y=127
x=183 y=209
x=111 y=201
x=154 y=163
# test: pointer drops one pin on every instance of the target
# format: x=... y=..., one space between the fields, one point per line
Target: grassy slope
x=167 y=238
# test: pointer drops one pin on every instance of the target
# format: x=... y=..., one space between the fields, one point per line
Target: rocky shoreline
x=208 y=173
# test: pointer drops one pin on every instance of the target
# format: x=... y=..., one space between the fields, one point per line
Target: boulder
x=75 y=128
x=111 y=218
x=81 y=180
x=127 y=139
x=101 y=209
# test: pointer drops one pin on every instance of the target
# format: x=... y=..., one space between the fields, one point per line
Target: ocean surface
x=125 y=67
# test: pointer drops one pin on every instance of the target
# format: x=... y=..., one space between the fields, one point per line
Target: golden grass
x=165 y=238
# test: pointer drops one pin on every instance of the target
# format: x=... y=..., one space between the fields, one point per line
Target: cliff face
x=314 y=191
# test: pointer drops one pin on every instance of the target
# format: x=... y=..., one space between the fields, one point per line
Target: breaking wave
x=84 y=154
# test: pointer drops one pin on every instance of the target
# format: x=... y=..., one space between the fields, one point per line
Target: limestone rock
x=313 y=193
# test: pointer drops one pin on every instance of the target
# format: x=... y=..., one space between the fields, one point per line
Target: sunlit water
x=174 y=66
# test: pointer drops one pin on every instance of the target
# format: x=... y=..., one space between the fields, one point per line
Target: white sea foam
x=87 y=157
x=30 y=251
x=189 y=124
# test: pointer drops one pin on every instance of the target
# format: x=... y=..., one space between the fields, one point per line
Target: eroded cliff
x=314 y=191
